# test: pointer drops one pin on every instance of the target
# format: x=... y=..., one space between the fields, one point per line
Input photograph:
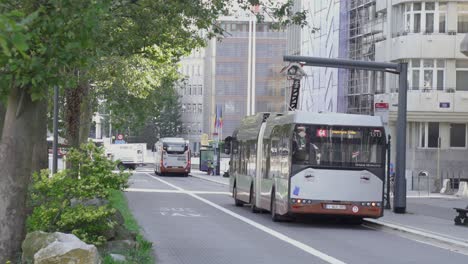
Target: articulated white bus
x=172 y=156
x=309 y=163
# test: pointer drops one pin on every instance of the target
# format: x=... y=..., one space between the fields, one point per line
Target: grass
x=144 y=252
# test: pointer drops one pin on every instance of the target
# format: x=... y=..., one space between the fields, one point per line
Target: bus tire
x=237 y=202
x=274 y=216
x=253 y=207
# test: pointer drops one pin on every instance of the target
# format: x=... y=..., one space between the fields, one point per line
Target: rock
x=54 y=248
x=33 y=243
x=118 y=218
x=119 y=232
x=122 y=233
x=446 y=188
x=118 y=257
x=462 y=189
x=120 y=245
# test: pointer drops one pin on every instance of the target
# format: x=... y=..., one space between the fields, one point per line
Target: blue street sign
x=444 y=105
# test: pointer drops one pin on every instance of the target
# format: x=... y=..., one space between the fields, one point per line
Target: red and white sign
x=321 y=133
x=381 y=105
x=355 y=209
x=120 y=137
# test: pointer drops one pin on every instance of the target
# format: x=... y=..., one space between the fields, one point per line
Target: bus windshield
x=338 y=146
x=174 y=148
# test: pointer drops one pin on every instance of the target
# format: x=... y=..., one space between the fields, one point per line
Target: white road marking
x=423 y=233
x=261 y=227
x=173 y=191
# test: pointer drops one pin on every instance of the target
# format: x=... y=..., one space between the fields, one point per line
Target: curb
x=420 y=233
x=210 y=180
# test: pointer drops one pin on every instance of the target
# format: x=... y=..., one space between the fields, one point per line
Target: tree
x=39 y=42
x=47 y=43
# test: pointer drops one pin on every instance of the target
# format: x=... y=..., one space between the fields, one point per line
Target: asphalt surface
x=190 y=220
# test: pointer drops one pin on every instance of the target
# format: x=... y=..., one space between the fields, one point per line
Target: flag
x=219 y=117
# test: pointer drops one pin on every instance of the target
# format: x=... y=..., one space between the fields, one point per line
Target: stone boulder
x=54 y=248
x=119 y=246
x=34 y=242
x=118 y=258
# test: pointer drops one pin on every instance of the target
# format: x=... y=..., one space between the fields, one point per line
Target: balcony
x=420 y=45
x=428 y=104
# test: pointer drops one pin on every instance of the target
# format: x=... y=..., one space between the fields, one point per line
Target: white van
x=129 y=155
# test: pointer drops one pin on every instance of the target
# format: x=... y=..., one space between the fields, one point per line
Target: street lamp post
x=55 y=128
x=401 y=69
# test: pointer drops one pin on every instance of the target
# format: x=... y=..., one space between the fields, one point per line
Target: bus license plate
x=180 y=158
x=335 y=206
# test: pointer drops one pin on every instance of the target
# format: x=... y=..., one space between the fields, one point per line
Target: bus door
x=259 y=166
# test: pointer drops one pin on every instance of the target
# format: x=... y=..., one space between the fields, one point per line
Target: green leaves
x=61 y=203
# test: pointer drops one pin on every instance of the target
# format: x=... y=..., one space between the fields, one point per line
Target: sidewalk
x=202 y=175
x=430 y=216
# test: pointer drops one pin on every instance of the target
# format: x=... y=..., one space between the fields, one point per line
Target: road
x=191 y=220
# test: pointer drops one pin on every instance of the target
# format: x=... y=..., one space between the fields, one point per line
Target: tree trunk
x=20 y=139
x=2 y=117
x=73 y=98
x=86 y=114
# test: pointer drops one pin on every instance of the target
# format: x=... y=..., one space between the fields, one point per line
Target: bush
x=71 y=200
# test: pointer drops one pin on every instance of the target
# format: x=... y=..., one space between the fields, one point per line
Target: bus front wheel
x=253 y=207
x=237 y=202
x=274 y=216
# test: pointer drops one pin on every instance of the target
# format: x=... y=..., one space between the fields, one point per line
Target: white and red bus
x=300 y=163
x=172 y=156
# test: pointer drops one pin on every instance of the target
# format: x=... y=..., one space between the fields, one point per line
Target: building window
x=427 y=74
x=433 y=135
x=462 y=9
x=200 y=108
x=462 y=75
x=429 y=135
x=200 y=89
x=427 y=17
x=457 y=135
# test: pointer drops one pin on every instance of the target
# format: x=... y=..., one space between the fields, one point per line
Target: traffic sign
x=120 y=137
x=381 y=106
